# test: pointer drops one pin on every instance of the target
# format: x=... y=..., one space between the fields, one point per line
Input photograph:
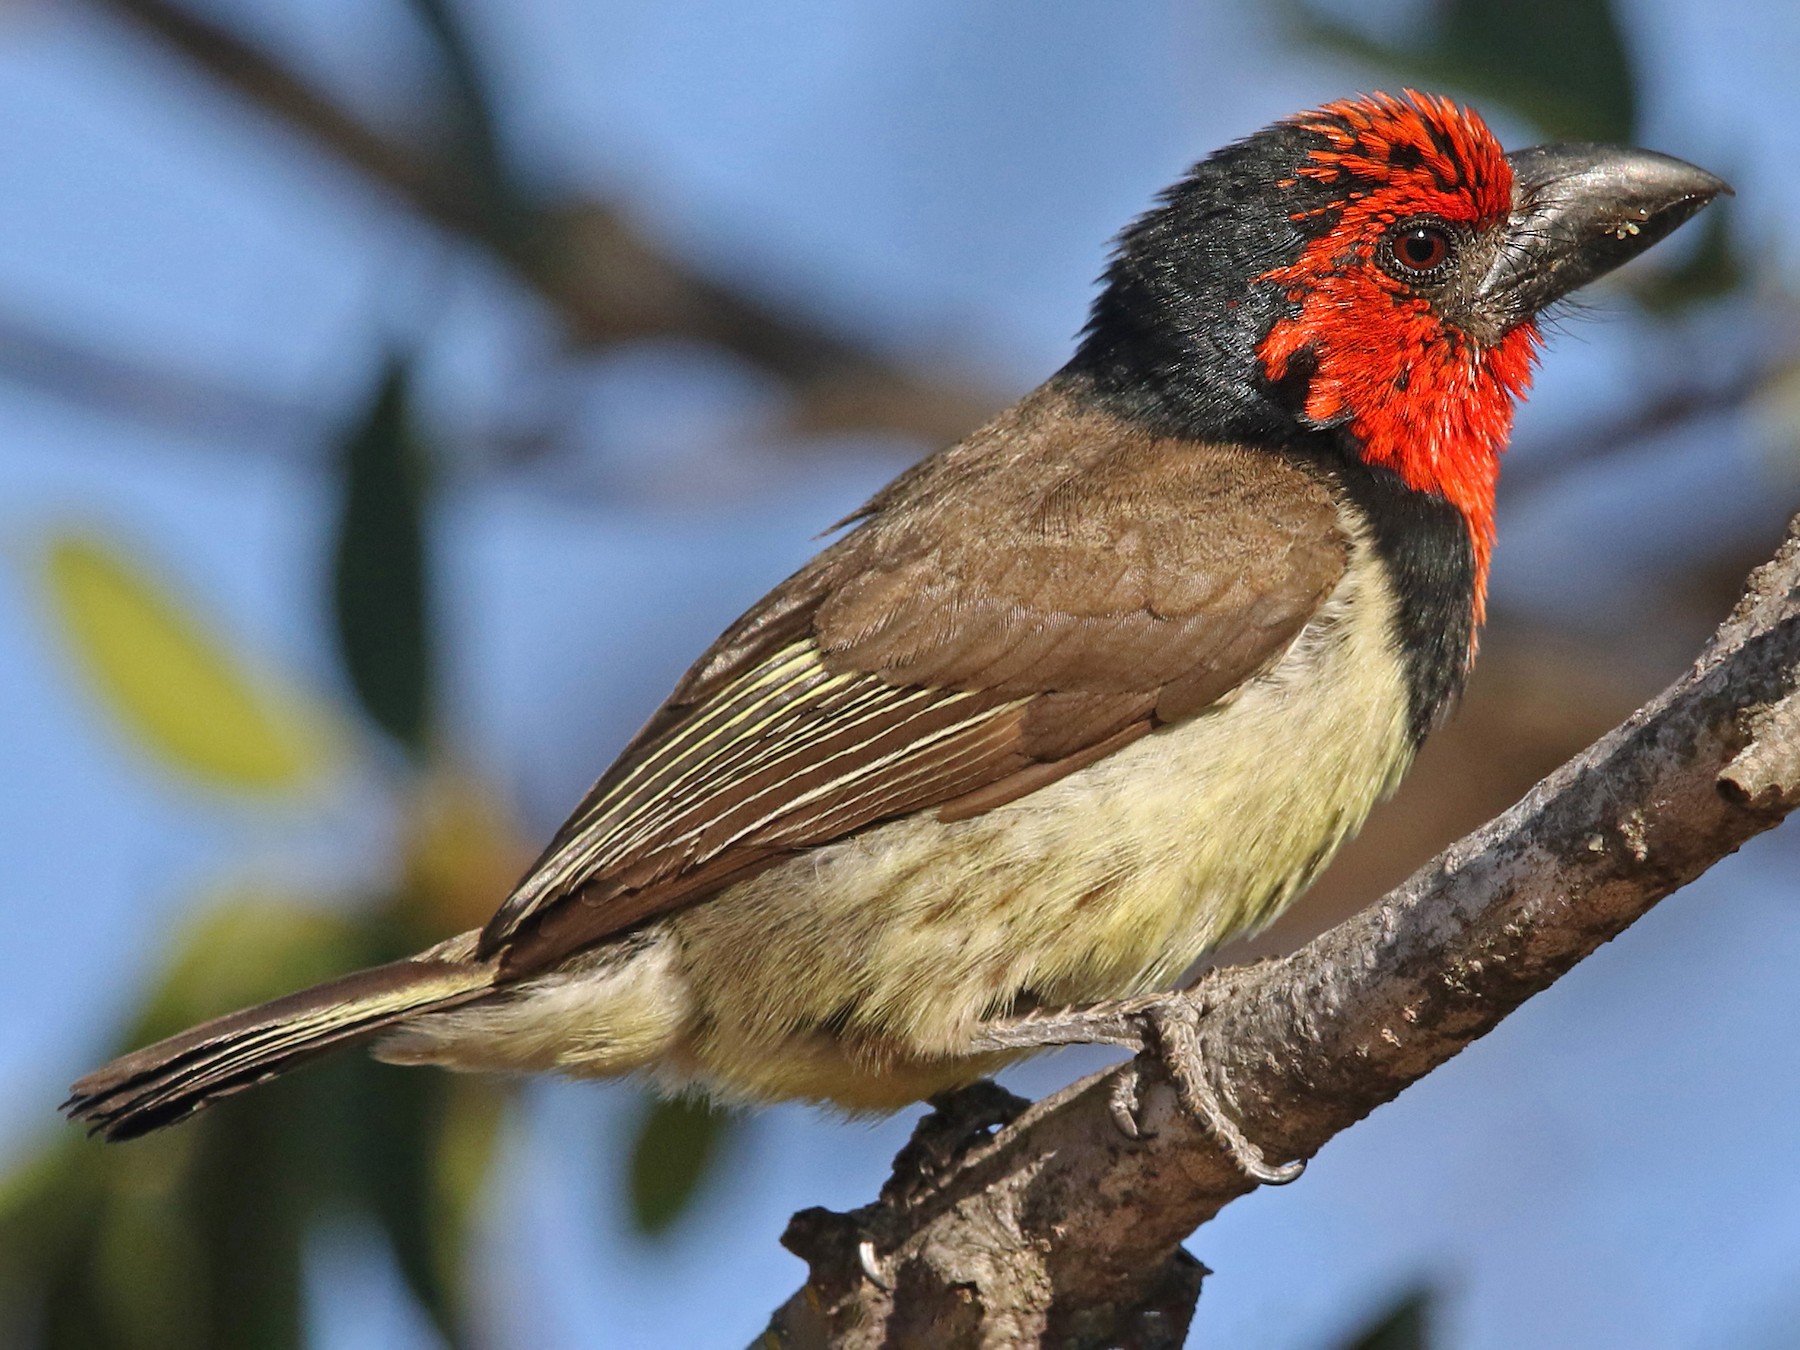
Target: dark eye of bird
x=1418 y=251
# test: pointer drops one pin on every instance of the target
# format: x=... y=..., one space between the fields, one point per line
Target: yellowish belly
x=856 y=972
x=846 y=973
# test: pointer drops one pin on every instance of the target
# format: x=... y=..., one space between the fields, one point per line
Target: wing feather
x=1005 y=613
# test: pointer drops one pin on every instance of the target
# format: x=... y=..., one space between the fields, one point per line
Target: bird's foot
x=1172 y=1041
x=1165 y=1032
x=960 y=1121
x=1117 y=1021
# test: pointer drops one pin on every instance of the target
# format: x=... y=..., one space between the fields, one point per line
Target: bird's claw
x=1163 y=1030
x=1126 y=1108
x=1171 y=1039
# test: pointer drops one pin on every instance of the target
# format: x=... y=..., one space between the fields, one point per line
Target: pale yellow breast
x=1109 y=882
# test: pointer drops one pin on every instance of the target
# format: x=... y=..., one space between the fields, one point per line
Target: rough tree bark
x=1007 y=1224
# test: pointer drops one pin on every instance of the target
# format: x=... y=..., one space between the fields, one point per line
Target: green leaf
x=1405 y=1325
x=380 y=577
x=170 y=682
x=419 y=1147
x=1560 y=64
x=468 y=125
x=675 y=1146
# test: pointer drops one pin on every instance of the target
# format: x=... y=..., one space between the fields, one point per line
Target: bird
x=1065 y=706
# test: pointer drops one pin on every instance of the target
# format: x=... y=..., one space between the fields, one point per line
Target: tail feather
x=165 y=1082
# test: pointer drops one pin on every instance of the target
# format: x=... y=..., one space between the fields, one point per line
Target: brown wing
x=1006 y=612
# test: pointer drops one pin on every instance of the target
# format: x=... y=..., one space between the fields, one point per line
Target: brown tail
x=163 y=1083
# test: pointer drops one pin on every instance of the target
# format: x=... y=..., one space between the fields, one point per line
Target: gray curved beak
x=1581 y=210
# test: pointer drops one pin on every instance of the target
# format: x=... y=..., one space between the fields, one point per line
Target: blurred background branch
x=606 y=281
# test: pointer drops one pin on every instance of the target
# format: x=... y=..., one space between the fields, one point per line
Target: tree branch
x=1057 y=1229
x=605 y=280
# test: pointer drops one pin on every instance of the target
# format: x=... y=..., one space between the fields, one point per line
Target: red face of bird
x=1371 y=272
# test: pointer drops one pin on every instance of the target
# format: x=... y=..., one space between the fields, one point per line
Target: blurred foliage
x=171 y=683
x=195 y=1237
x=1777 y=417
x=677 y=1144
x=470 y=128
x=379 y=585
x=461 y=851
x=1404 y=1326
x=1560 y=64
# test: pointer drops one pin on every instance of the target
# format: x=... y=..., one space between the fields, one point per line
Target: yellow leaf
x=169 y=681
x=464 y=851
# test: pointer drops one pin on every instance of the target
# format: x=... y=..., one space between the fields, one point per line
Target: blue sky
x=941 y=176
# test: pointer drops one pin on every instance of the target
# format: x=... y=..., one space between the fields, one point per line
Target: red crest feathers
x=1421 y=397
x=1440 y=157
